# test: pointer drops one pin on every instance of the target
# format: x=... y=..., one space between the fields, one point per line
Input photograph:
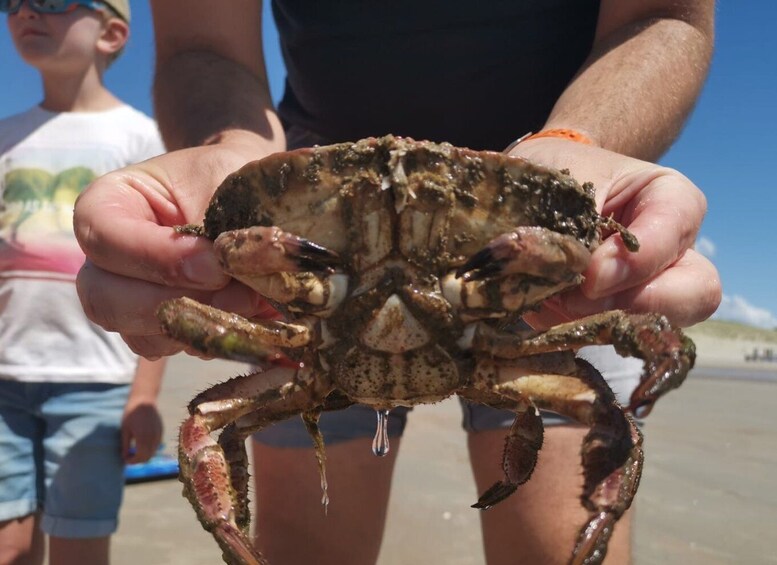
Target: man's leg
x=21 y=541
x=539 y=523
x=290 y=522
x=74 y=551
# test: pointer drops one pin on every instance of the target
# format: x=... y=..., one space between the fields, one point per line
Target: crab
x=401 y=269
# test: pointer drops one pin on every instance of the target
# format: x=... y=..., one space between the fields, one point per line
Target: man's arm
x=646 y=69
x=631 y=97
x=210 y=82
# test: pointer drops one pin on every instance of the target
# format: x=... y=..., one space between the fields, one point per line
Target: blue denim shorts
x=60 y=448
x=359 y=421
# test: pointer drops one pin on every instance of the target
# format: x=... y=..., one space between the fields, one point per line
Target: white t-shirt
x=46 y=160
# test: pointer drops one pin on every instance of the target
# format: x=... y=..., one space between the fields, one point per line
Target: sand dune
x=729 y=344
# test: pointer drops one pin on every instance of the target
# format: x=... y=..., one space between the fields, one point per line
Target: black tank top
x=474 y=73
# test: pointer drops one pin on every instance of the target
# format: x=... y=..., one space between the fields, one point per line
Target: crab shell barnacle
x=402 y=269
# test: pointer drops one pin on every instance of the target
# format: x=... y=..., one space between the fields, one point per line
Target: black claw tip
x=481 y=265
x=313 y=257
x=490 y=270
x=313 y=265
x=314 y=250
x=494 y=495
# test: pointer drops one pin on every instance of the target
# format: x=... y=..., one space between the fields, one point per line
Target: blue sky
x=728 y=147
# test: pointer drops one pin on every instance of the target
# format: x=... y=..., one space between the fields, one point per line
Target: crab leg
x=204 y=469
x=612 y=450
x=206 y=477
x=213 y=473
x=232 y=442
x=522 y=444
x=667 y=353
x=229 y=336
x=255 y=421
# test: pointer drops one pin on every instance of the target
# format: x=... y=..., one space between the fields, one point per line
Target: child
x=68 y=419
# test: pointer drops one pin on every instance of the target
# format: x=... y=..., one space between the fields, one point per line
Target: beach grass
x=724 y=329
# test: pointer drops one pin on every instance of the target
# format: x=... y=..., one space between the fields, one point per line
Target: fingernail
x=608 y=277
x=204 y=268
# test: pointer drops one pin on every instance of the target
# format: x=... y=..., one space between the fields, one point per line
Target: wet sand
x=708 y=494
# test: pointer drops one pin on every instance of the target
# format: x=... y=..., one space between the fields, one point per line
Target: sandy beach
x=708 y=494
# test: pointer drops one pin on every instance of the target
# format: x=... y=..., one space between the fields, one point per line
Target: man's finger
x=135 y=313
x=686 y=293
x=123 y=222
x=665 y=217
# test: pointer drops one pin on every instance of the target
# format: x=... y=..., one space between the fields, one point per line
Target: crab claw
x=528 y=250
x=264 y=250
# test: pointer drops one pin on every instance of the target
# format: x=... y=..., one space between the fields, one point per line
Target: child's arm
x=141 y=425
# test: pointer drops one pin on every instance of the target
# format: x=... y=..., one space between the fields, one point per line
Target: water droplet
x=380 y=444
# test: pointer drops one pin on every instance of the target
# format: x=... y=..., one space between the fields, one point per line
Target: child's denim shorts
x=60 y=448
x=623 y=375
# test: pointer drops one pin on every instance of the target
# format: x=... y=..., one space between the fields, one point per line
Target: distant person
x=76 y=404
x=607 y=83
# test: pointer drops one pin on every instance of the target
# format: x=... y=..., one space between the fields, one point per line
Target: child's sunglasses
x=49 y=6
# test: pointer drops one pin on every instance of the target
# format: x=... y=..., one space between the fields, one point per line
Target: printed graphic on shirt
x=36 y=220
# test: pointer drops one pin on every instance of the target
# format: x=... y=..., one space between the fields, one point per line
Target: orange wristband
x=569 y=134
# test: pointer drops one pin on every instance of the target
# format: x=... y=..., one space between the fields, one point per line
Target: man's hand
x=663 y=209
x=135 y=260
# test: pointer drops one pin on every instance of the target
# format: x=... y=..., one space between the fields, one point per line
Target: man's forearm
x=199 y=95
x=638 y=86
